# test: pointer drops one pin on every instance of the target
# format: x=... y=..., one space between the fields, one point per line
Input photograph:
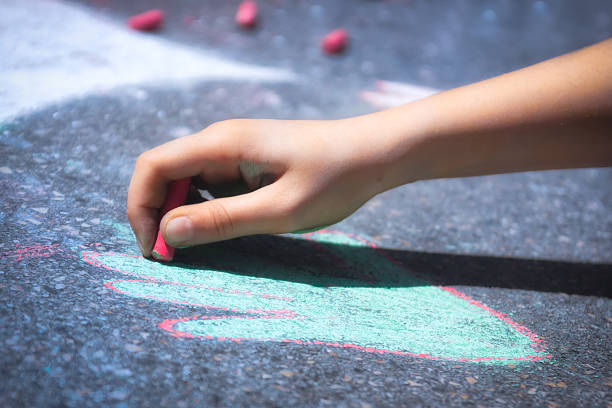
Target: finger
x=263 y=211
x=144 y=225
x=172 y=161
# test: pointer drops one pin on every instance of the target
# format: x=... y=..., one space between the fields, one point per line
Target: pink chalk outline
x=32 y=251
x=168 y=324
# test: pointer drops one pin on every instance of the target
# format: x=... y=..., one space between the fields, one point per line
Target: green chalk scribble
x=268 y=300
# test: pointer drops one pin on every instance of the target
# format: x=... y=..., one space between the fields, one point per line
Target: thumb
x=257 y=212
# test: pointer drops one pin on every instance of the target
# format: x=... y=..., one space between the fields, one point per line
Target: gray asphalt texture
x=536 y=246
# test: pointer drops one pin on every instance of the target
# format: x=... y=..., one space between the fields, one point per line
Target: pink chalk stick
x=147 y=21
x=246 y=16
x=335 y=42
x=176 y=196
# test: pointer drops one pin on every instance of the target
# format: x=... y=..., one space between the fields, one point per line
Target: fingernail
x=179 y=230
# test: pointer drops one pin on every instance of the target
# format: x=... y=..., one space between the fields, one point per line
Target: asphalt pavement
x=489 y=291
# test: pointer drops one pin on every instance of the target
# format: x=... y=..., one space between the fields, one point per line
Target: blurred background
x=436 y=44
x=431 y=44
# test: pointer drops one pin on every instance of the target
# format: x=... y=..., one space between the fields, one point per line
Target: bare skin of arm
x=552 y=115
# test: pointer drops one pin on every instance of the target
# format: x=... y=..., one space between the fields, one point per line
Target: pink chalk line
x=168 y=325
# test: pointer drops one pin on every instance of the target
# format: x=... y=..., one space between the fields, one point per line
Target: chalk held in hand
x=147 y=21
x=335 y=42
x=246 y=16
x=177 y=194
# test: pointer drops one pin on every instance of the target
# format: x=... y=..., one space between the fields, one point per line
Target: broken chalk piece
x=335 y=42
x=246 y=16
x=176 y=196
x=147 y=21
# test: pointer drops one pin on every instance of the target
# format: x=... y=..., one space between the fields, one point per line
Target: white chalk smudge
x=180 y=131
x=53 y=51
x=33 y=221
x=389 y=94
x=5 y=170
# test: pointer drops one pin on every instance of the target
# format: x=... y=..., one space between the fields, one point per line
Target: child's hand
x=302 y=174
x=305 y=174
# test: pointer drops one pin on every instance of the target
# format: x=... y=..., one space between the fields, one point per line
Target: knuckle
x=229 y=126
x=219 y=220
x=146 y=160
x=214 y=127
x=232 y=135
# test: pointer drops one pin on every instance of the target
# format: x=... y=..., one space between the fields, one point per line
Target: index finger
x=157 y=167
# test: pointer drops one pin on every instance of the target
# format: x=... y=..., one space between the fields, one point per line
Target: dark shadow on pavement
x=332 y=264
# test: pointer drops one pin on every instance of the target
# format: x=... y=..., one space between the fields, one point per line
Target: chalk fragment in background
x=49 y=64
x=335 y=42
x=148 y=21
x=246 y=16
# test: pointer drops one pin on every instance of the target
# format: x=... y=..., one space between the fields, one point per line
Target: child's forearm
x=556 y=114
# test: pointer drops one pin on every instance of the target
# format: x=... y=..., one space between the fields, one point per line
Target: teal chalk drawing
x=386 y=310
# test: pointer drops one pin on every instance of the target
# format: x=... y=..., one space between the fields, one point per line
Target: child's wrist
x=400 y=152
